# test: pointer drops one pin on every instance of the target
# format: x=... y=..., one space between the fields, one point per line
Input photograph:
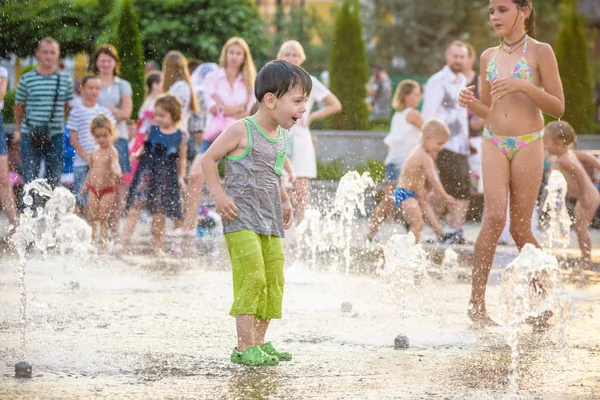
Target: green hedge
x=334 y=170
x=8 y=113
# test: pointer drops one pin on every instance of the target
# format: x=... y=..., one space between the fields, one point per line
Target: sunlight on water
x=531 y=292
x=558 y=224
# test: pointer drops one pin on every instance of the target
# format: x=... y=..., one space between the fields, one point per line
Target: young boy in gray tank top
x=255 y=206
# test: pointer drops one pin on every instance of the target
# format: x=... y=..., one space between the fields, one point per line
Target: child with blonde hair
x=418 y=169
x=160 y=176
x=405 y=134
x=558 y=139
x=102 y=178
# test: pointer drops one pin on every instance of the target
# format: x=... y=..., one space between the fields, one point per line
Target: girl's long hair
x=175 y=68
x=248 y=69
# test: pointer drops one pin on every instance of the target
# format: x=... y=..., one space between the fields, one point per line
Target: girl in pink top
x=231 y=89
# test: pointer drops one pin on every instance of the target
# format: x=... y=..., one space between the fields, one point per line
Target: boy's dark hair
x=278 y=77
x=88 y=78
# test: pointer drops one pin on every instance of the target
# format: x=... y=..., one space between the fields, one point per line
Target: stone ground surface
x=142 y=327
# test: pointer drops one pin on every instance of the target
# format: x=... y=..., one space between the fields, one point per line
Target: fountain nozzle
x=23 y=370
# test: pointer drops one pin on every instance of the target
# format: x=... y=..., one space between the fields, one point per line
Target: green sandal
x=253 y=356
x=272 y=351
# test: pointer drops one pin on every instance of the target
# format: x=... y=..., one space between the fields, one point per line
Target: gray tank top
x=253 y=180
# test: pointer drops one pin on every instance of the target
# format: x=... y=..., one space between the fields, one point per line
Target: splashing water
x=308 y=234
x=531 y=287
x=405 y=267
x=47 y=221
x=450 y=261
x=556 y=232
x=335 y=230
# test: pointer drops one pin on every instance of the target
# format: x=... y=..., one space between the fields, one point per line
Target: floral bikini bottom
x=510 y=145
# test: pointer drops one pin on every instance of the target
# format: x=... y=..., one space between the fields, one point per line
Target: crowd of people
x=61 y=130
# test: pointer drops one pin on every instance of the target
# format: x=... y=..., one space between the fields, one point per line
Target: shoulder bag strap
x=55 y=97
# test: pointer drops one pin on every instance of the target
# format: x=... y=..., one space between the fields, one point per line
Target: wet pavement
x=139 y=327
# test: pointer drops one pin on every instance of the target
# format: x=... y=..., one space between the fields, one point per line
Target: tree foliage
x=305 y=25
x=129 y=44
x=575 y=72
x=24 y=23
x=348 y=68
x=199 y=28
x=414 y=34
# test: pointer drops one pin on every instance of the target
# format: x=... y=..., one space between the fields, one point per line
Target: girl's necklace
x=511 y=47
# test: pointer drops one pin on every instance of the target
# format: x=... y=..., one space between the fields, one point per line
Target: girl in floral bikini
x=519 y=81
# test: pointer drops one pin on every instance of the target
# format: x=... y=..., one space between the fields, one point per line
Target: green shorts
x=257 y=262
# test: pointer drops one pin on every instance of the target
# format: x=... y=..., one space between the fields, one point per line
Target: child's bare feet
x=480 y=317
x=541 y=321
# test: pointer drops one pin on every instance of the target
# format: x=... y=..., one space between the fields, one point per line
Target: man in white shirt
x=440 y=101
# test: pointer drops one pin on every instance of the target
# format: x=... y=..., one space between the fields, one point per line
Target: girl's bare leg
x=92 y=211
x=132 y=217
x=193 y=195
x=526 y=170
x=385 y=206
x=583 y=217
x=300 y=197
x=106 y=206
x=496 y=178
x=158 y=228
x=6 y=193
x=119 y=206
x=413 y=216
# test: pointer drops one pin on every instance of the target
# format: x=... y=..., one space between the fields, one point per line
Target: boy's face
x=91 y=90
x=433 y=144
x=290 y=107
x=552 y=146
x=102 y=137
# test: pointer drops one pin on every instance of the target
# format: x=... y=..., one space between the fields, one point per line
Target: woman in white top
x=405 y=134
x=303 y=156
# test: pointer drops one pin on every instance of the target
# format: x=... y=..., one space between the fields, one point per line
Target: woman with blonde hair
x=303 y=157
x=228 y=95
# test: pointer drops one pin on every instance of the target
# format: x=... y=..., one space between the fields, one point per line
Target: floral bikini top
x=521 y=70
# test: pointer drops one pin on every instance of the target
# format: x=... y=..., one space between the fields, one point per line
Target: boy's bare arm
x=429 y=167
x=114 y=162
x=226 y=142
x=568 y=165
x=182 y=166
x=286 y=207
x=587 y=159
